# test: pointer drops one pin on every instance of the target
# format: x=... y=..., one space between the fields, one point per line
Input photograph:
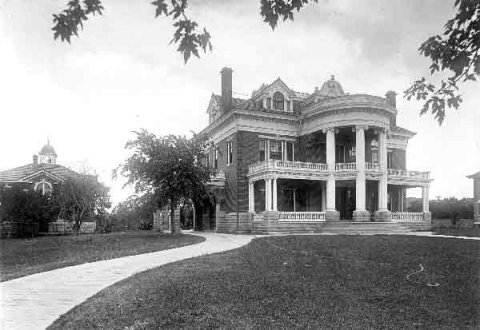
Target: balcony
x=218 y=179
x=343 y=171
x=340 y=167
x=409 y=174
x=289 y=169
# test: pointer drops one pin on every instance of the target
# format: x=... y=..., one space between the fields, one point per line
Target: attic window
x=278 y=101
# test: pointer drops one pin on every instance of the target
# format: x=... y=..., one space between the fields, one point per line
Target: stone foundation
x=383 y=216
x=271 y=216
x=361 y=216
x=332 y=215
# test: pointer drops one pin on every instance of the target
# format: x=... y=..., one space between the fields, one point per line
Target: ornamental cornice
x=348 y=102
x=331 y=112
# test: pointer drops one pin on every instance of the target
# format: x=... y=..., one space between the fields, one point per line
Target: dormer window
x=278 y=101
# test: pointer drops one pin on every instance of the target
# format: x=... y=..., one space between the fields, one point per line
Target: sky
x=121 y=74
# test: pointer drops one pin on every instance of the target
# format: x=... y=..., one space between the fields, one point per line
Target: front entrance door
x=345 y=201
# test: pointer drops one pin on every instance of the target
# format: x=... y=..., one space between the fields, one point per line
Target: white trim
x=48 y=174
x=277 y=137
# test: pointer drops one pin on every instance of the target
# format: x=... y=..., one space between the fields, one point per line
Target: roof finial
x=332 y=76
x=48 y=140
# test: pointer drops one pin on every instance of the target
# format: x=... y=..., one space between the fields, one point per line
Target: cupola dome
x=47 y=154
x=331 y=88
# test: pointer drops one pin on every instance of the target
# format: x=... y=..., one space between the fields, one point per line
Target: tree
x=136 y=211
x=187 y=34
x=171 y=168
x=82 y=198
x=456 y=53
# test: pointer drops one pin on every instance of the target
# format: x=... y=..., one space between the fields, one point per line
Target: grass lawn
x=469 y=232
x=300 y=281
x=21 y=257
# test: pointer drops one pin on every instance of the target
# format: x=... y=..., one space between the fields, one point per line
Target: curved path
x=35 y=301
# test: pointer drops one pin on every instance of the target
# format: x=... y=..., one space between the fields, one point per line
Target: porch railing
x=301 y=216
x=407 y=216
x=409 y=174
x=372 y=166
x=287 y=165
x=345 y=166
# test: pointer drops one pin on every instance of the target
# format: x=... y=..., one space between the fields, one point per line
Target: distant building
x=43 y=174
x=476 y=195
x=287 y=158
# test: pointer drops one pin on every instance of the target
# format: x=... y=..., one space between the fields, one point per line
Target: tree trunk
x=172 y=219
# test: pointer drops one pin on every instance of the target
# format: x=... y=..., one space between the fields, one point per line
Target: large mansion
x=286 y=158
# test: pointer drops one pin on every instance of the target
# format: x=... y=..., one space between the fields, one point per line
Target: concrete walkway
x=35 y=301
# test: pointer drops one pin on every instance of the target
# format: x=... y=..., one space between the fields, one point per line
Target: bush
x=145 y=225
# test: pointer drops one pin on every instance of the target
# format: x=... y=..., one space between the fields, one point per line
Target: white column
x=324 y=196
x=331 y=168
x=426 y=206
x=330 y=149
x=268 y=194
x=382 y=184
x=360 y=164
x=275 y=207
x=251 y=196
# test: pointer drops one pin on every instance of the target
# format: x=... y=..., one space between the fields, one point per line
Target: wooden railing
x=409 y=174
x=301 y=216
x=345 y=166
x=407 y=216
x=372 y=167
x=287 y=165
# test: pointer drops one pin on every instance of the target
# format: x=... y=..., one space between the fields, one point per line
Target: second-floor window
x=278 y=101
x=289 y=151
x=276 y=150
x=229 y=152
x=263 y=150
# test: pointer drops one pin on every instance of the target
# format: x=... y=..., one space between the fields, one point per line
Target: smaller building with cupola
x=295 y=161
x=43 y=174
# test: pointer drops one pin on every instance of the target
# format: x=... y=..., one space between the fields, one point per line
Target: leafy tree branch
x=187 y=35
x=456 y=52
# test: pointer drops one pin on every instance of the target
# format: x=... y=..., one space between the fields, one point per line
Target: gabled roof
x=217 y=100
x=26 y=172
x=281 y=83
x=474 y=176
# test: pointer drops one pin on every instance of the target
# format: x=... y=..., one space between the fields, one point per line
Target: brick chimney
x=226 y=89
x=391 y=98
x=35 y=160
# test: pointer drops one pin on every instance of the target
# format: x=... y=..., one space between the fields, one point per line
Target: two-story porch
x=354 y=178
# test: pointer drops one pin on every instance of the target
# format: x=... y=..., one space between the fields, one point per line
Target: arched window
x=44 y=187
x=278 y=101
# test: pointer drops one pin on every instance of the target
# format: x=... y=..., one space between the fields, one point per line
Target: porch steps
x=330 y=227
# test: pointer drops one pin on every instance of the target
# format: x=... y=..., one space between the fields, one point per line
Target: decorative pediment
x=42 y=175
x=214 y=104
x=277 y=86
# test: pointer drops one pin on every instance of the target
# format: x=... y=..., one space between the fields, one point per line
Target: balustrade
x=407 y=216
x=345 y=166
x=372 y=166
x=287 y=165
x=409 y=174
x=302 y=216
